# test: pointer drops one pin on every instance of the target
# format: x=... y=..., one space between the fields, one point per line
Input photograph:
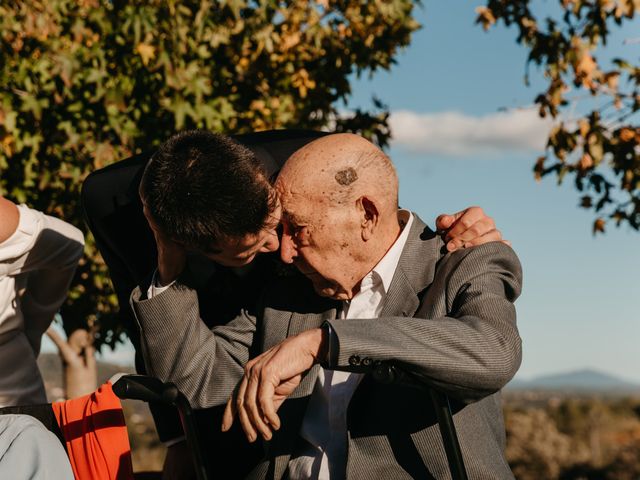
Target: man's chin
x=331 y=291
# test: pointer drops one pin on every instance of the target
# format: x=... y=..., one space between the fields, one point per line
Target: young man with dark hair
x=199 y=198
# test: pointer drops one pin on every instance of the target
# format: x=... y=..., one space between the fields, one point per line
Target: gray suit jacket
x=448 y=321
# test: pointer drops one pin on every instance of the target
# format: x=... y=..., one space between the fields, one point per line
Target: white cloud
x=461 y=135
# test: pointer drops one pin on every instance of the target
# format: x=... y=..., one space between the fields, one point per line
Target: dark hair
x=201 y=187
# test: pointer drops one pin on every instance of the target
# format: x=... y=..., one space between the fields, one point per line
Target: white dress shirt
x=37 y=263
x=324 y=426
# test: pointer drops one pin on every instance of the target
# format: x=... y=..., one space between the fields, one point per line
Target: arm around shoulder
x=463 y=338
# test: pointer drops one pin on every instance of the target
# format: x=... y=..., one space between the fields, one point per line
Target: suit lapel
x=415 y=271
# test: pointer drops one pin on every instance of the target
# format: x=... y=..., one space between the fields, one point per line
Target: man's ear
x=369 y=217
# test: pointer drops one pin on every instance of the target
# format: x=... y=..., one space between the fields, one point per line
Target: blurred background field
x=581 y=425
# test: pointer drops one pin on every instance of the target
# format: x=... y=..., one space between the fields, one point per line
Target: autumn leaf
x=147 y=52
x=626 y=134
x=585 y=69
x=586 y=162
x=584 y=127
x=485 y=17
x=598 y=226
x=6 y=145
x=290 y=40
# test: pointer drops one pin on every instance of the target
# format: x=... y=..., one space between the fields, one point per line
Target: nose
x=288 y=251
x=271 y=245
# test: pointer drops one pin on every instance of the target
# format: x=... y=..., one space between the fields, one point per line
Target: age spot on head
x=346 y=176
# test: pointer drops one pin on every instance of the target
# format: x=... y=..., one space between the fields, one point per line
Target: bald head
x=340 y=168
x=339 y=197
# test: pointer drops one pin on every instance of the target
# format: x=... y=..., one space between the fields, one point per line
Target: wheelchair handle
x=151 y=389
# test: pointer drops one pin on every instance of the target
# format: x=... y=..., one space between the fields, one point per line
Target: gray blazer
x=448 y=321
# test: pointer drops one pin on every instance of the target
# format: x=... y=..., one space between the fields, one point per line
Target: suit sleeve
x=469 y=353
x=206 y=365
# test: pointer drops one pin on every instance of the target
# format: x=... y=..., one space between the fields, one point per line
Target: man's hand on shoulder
x=468 y=228
x=172 y=256
x=269 y=379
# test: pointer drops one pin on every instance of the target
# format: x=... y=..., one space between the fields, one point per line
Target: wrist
x=165 y=277
x=170 y=267
x=323 y=348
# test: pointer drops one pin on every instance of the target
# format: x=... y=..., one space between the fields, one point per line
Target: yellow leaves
x=584 y=65
x=606 y=3
x=289 y=40
x=584 y=127
x=5 y=145
x=91 y=39
x=104 y=155
x=530 y=24
x=627 y=134
x=538 y=169
x=302 y=82
x=585 y=69
x=260 y=107
x=596 y=149
x=598 y=226
x=485 y=17
x=243 y=63
x=628 y=180
x=625 y=8
x=146 y=51
x=586 y=162
x=368 y=42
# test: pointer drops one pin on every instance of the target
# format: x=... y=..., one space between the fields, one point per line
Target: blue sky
x=580 y=305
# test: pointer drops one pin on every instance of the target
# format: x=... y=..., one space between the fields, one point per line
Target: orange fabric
x=96 y=435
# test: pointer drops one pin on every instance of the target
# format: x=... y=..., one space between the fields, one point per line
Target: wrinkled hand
x=468 y=228
x=269 y=379
x=172 y=257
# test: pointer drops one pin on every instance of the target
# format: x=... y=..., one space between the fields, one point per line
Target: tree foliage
x=84 y=83
x=601 y=149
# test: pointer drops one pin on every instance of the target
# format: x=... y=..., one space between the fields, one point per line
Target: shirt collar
x=386 y=268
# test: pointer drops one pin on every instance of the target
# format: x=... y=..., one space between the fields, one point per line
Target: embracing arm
x=468 y=228
x=177 y=346
x=471 y=351
x=46 y=250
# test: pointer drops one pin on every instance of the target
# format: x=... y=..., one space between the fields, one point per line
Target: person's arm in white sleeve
x=47 y=251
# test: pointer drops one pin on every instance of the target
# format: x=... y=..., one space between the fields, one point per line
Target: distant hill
x=587 y=380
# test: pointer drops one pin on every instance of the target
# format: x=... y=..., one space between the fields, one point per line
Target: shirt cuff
x=155 y=288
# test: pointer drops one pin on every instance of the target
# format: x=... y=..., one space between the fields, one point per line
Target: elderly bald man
x=381 y=291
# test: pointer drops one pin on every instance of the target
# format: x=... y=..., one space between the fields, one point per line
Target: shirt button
x=354 y=360
x=366 y=361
